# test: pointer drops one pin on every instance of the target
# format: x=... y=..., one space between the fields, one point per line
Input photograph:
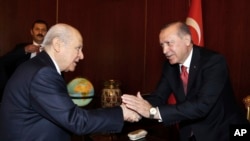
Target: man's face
x=174 y=48
x=73 y=53
x=38 y=32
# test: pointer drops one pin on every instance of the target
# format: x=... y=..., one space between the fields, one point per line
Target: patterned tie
x=38 y=50
x=184 y=78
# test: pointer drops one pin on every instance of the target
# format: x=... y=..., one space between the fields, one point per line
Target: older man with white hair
x=36 y=104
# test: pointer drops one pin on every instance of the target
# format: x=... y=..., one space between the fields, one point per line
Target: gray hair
x=183 y=28
x=61 y=31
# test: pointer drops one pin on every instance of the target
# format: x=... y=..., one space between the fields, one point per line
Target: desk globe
x=81 y=91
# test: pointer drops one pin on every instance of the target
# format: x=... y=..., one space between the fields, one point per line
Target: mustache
x=40 y=35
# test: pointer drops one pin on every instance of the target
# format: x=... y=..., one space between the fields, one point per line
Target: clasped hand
x=130 y=115
x=137 y=103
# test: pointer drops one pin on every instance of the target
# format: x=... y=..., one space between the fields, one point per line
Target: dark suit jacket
x=209 y=107
x=9 y=62
x=36 y=107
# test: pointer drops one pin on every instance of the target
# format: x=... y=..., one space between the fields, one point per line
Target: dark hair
x=41 y=22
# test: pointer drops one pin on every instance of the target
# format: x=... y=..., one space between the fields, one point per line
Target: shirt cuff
x=159 y=120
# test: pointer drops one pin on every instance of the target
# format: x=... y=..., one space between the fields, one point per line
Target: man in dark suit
x=22 y=52
x=207 y=108
x=36 y=104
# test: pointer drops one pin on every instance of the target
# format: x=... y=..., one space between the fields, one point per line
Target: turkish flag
x=194 y=21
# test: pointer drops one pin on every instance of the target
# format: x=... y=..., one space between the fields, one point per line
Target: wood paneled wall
x=121 y=36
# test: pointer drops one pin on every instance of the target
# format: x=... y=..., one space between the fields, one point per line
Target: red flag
x=194 y=21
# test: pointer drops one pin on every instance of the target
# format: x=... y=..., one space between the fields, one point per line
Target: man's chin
x=172 y=62
x=70 y=69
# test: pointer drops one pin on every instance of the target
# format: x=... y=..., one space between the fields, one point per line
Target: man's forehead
x=40 y=25
x=168 y=33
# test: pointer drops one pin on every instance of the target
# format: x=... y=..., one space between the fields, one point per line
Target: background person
x=22 y=52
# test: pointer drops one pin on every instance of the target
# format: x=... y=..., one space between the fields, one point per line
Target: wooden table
x=156 y=132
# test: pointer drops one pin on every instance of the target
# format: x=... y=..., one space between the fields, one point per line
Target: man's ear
x=31 y=32
x=56 y=44
x=187 y=39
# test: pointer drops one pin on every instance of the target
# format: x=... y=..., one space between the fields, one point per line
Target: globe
x=81 y=91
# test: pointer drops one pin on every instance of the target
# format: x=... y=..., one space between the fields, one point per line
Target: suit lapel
x=174 y=76
x=194 y=66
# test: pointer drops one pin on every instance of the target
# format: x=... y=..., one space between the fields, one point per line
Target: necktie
x=184 y=78
x=39 y=49
x=33 y=54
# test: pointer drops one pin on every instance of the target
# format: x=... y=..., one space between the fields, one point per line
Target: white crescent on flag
x=191 y=22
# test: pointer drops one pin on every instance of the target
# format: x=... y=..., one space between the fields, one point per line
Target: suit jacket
x=9 y=62
x=36 y=107
x=209 y=106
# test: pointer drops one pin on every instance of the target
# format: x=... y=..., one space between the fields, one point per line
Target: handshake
x=135 y=107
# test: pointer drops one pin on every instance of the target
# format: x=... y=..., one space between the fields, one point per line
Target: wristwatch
x=152 y=112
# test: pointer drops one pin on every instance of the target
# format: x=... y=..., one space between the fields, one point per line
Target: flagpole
x=145 y=44
x=57 y=10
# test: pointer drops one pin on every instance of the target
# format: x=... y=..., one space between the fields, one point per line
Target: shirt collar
x=57 y=67
x=188 y=60
x=35 y=43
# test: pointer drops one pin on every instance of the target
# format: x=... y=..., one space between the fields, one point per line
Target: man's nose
x=81 y=55
x=165 y=49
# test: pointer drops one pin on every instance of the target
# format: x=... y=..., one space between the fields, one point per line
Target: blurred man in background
x=22 y=52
